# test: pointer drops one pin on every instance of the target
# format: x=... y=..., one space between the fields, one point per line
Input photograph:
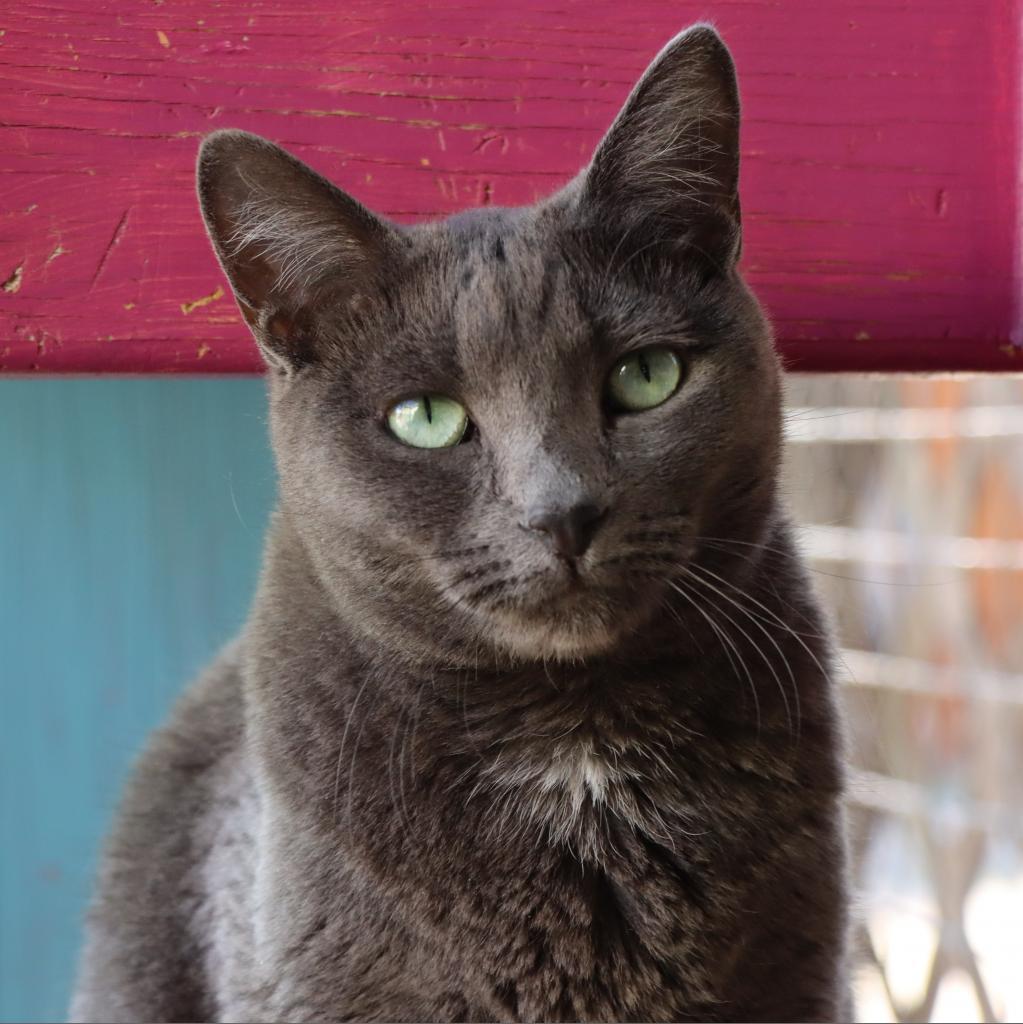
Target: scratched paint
x=879 y=184
x=190 y=307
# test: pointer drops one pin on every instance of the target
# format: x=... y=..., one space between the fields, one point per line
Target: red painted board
x=881 y=185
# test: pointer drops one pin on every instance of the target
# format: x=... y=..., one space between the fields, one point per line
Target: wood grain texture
x=880 y=181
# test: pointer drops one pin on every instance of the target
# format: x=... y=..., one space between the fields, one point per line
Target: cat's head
x=510 y=429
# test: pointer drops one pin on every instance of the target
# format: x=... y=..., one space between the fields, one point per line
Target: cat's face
x=510 y=430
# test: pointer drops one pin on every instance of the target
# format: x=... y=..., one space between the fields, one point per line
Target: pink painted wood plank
x=880 y=182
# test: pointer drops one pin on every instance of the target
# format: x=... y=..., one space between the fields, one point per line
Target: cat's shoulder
x=207 y=722
x=177 y=774
x=151 y=883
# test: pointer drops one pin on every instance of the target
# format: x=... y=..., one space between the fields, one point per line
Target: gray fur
x=441 y=776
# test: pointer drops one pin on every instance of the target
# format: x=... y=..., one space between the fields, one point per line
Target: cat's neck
x=345 y=725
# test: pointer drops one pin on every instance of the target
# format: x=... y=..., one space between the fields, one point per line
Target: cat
x=534 y=715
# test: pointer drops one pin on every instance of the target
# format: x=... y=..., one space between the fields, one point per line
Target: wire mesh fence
x=911 y=490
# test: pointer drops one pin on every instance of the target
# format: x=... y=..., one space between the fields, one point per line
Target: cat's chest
x=569 y=882
x=577 y=789
x=627 y=927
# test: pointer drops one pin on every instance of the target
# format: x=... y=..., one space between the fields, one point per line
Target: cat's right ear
x=285 y=237
x=669 y=164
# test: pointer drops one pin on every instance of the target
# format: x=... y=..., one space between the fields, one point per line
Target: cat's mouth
x=555 y=607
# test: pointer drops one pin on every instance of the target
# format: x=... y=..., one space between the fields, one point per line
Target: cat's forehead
x=513 y=300
x=496 y=250
x=468 y=229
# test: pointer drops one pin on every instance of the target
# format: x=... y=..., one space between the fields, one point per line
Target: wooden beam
x=881 y=184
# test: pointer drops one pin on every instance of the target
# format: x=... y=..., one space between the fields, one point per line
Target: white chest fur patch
x=556 y=784
x=577 y=771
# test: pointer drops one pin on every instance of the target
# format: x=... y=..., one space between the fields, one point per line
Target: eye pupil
x=428 y=421
x=644 y=379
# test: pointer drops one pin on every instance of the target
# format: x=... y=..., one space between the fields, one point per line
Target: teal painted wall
x=131 y=522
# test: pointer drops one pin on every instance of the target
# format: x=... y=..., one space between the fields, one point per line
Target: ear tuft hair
x=283 y=235
x=671 y=158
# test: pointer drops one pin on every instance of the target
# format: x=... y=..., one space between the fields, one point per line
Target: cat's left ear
x=670 y=161
x=287 y=239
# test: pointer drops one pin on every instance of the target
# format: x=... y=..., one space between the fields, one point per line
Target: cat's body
x=465 y=767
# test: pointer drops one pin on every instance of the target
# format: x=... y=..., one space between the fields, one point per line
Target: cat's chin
x=537 y=641
x=535 y=635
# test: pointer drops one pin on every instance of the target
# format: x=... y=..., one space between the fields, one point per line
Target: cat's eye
x=644 y=379
x=428 y=421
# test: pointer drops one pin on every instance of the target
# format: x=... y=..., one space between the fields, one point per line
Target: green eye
x=428 y=421
x=644 y=379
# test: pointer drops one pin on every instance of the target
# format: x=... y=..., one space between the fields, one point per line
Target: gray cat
x=533 y=718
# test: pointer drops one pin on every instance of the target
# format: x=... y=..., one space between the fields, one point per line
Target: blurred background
x=131 y=523
x=911 y=495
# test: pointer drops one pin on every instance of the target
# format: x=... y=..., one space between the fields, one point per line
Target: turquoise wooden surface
x=131 y=521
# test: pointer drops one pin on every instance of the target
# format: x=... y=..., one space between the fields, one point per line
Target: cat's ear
x=670 y=161
x=285 y=237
